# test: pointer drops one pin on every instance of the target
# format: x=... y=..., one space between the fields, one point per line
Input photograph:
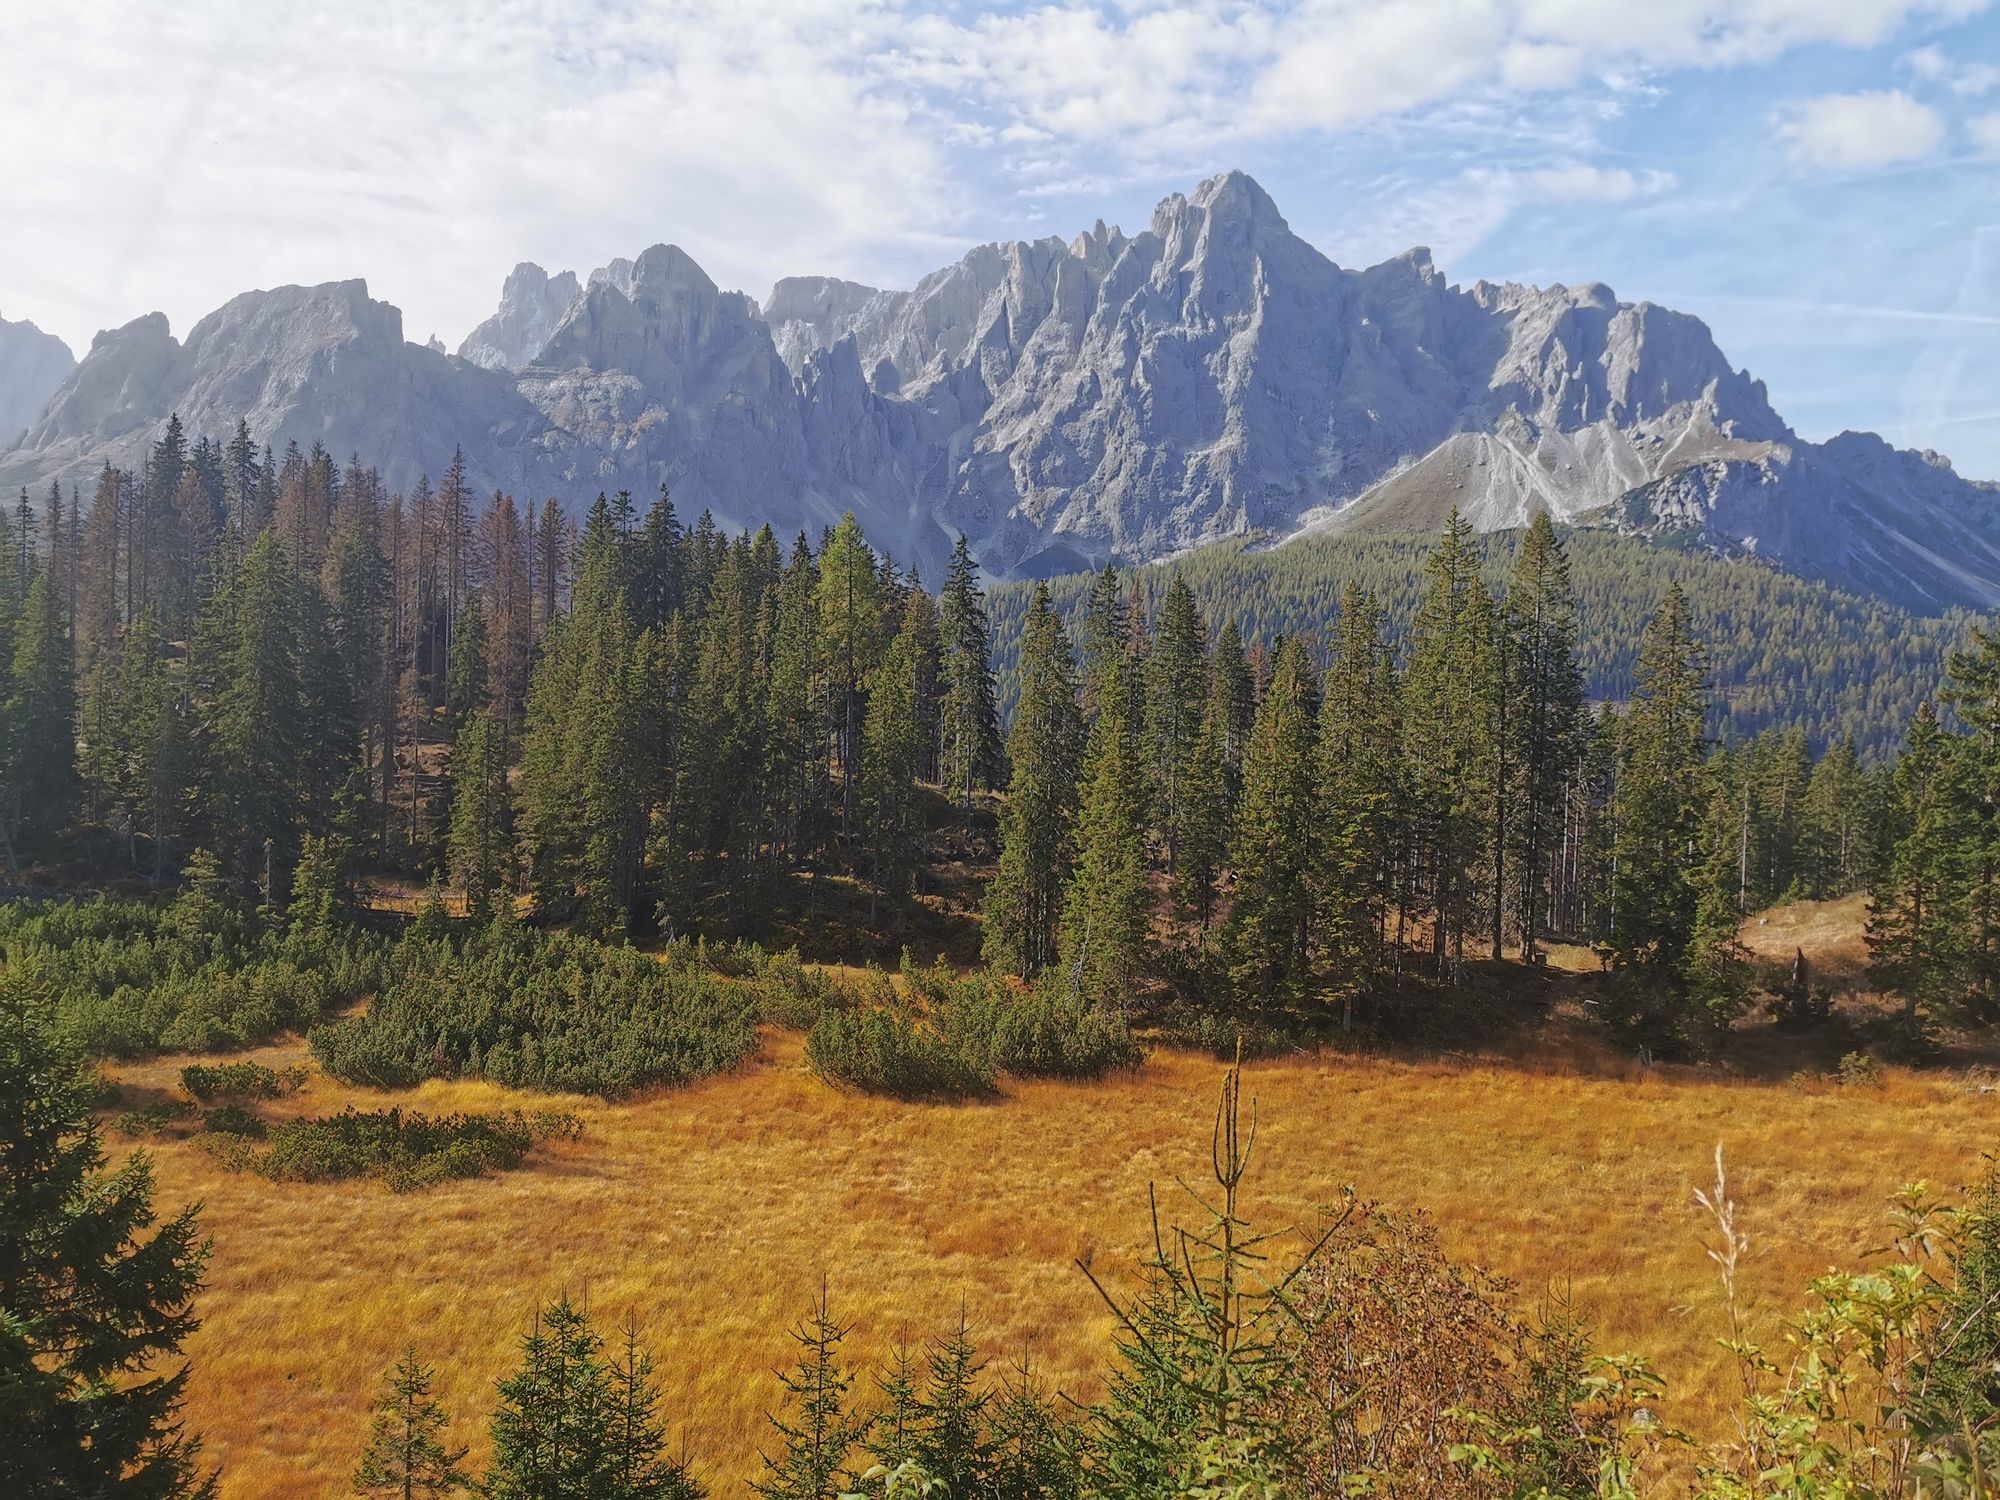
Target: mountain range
x=1060 y=404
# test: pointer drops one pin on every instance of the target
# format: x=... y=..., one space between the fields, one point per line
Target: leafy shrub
x=1859 y=1070
x=406 y=1150
x=241 y=1080
x=540 y=1010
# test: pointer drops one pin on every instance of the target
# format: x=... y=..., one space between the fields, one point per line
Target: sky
x=1819 y=180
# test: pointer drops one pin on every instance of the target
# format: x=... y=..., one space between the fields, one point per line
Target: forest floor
x=711 y=1214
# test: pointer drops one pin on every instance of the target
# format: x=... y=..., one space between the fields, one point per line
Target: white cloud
x=181 y=155
x=1967 y=79
x=1580 y=182
x=1985 y=133
x=1862 y=132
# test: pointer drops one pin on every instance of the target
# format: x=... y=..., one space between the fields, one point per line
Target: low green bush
x=888 y=1049
x=791 y=995
x=543 y=1011
x=126 y=978
x=233 y=1119
x=153 y=1118
x=944 y=1035
x=406 y=1150
x=239 y=1080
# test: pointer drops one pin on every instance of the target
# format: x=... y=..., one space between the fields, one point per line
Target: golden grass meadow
x=711 y=1214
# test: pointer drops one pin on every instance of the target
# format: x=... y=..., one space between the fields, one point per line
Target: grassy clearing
x=711 y=1212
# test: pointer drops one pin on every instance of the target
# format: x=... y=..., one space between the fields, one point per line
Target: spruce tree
x=407 y=1455
x=1837 y=814
x=477 y=845
x=851 y=616
x=1176 y=706
x=821 y=1431
x=1037 y=824
x=638 y=1467
x=951 y=1444
x=1276 y=857
x=1918 y=918
x=1545 y=687
x=1450 y=692
x=39 y=778
x=1106 y=909
x=971 y=723
x=1972 y=690
x=891 y=817
x=254 y=734
x=1358 y=759
x=467 y=691
x=574 y=1425
x=1106 y=636
x=1661 y=802
x=1235 y=685
x=1205 y=826
x=94 y=1292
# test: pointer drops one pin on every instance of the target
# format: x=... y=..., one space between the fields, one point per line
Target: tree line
x=1785 y=652
x=646 y=724
x=1282 y=827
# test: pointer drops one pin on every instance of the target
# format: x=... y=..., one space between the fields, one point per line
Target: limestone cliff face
x=532 y=303
x=32 y=365
x=1061 y=403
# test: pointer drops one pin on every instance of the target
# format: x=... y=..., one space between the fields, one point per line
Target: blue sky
x=1815 y=178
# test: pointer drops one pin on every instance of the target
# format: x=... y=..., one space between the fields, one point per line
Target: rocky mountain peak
x=532 y=303
x=32 y=365
x=1061 y=402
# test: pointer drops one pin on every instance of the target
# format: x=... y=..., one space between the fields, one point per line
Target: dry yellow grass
x=1830 y=932
x=711 y=1214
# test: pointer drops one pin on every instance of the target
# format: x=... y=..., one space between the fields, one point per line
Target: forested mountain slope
x=1783 y=650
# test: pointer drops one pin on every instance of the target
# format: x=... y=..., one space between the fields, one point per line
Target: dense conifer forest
x=1242 y=800
x=1784 y=652
x=1221 y=788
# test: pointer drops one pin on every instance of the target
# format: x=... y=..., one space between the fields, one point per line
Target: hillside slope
x=1782 y=650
